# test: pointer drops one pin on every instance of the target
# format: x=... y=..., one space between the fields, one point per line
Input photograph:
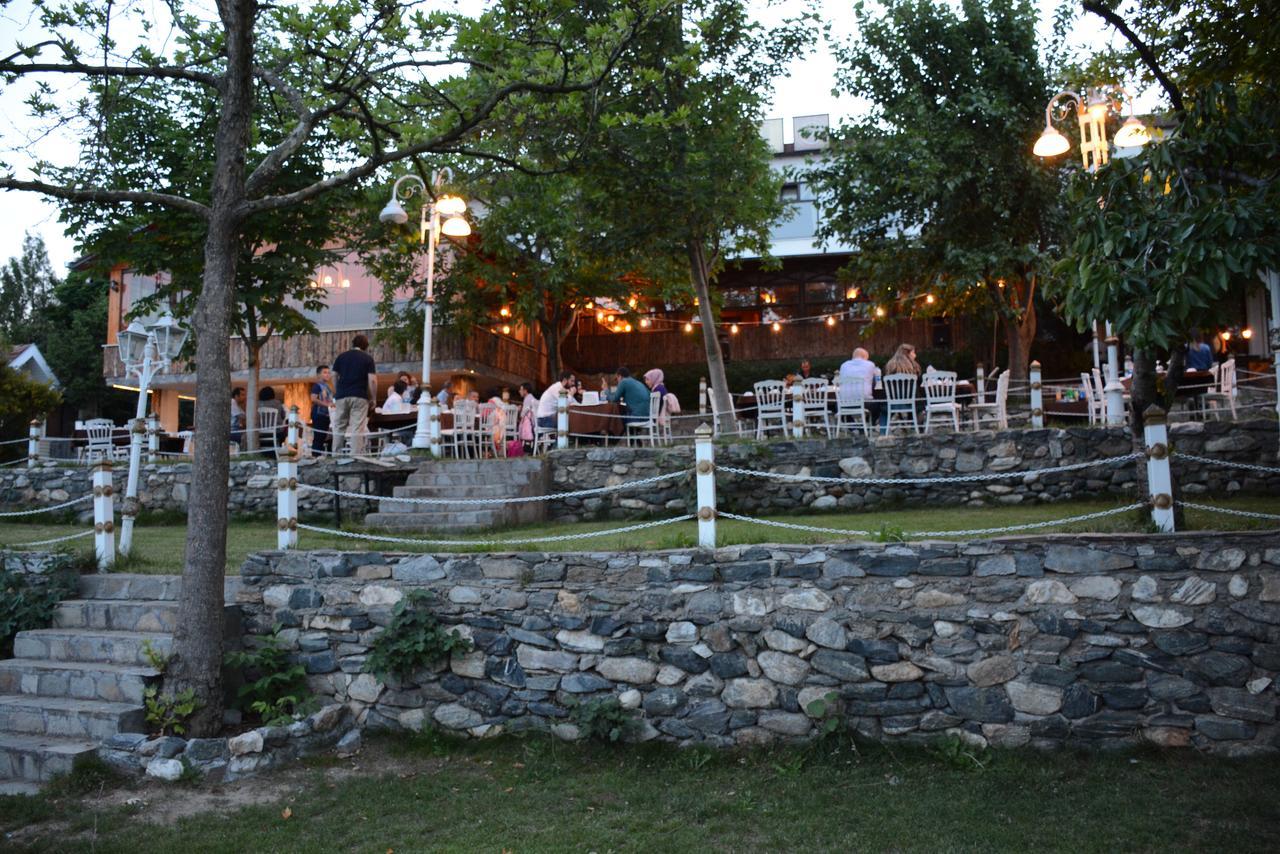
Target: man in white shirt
x=858 y=372
x=547 y=404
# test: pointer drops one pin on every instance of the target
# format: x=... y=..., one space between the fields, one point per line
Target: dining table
x=598 y=419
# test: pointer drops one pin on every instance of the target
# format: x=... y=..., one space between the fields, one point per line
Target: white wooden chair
x=1223 y=395
x=715 y=413
x=771 y=407
x=900 y=400
x=813 y=392
x=544 y=438
x=1092 y=402
x=664 y=417
x=648 y=428
x=851 y=407
x=997 y=411
x=464 y=428
x=940 y=399
x=268 y=424
x=101 y=445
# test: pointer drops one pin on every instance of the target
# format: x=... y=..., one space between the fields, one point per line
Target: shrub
x=28 y=600
x=414 y=639
x=272 y=688
x=604 y=719
x=168 y=713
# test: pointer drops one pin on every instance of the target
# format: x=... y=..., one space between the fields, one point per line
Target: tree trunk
x=251 y=398
x=551 y=340
x=196 y=663
x=1142 y=391
x=711 y=341
x=1021 y=334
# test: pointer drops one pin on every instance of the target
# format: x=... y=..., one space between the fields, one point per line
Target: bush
x=604 y=719
x=272 y=689
x=28 y=600
x=414 y=639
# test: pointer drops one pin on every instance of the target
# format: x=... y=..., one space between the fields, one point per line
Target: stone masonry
x=1097 y=640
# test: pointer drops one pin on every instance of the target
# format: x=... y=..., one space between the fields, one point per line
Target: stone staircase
x=465 y=479
x=70 y=687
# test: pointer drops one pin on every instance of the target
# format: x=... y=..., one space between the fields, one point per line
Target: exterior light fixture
x=1092 y=110
x=733 y=329
x=451 y=206
x=1246 y=333
x=777 y=327
x=455 y=226
x=688 y=327
x=831 y=320
x=506 y=330
x=929 y=299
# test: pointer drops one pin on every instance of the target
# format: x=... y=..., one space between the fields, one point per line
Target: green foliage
x=935 y=184
x=414 y=639
x=888 y=533
x=604 y=719
x=826 y=709
x=272 y=688
x=168 y=713
x=158 y=660
x=955 y=752
x=88 y=776
x=28 y=600
x=21 y=400
x=26 y=288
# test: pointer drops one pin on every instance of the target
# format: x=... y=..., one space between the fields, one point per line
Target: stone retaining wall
x=910 y=456
x=1101 y=640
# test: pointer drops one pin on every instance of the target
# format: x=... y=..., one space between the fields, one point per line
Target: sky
x=805 y=90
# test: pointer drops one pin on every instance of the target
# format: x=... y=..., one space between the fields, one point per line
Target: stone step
x=27 y=759
x=68 y=717
x=444 y=522
x=89 y=645
x=472 y=490
x=117 y=614
x=115 y=683
x=131 y=586
x=468 y=479
x=489 y=464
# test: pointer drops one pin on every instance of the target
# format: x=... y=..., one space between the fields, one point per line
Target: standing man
x=321 y=408
x=356 y=389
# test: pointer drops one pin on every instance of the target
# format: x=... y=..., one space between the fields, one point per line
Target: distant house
x=27 y=359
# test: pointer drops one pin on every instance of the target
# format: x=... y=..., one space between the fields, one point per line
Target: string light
x=733 y=329
x=644 y=323
x=852 y=293
x=929 y=299
x=506 y=330
x=1246 y=333
x=880 y=312
x=831 y=321
x=1225 y=334
x=688 y=327
x=588 y=305
x=628 y=327
x=599 y=317
x=777 y=327
x=504 y=312
x=631 y=302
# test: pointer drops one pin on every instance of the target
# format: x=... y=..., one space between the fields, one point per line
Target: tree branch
x=98 y=194
x=171 y=72
x=1145 y=52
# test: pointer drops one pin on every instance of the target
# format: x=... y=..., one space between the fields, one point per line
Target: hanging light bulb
x=1246 y=333
x=504 y=312
x=588 y=305
x=733 y=329
x=929 y=299
x=346 y=283
x=506 y=330
x=831 y=320
x=880 y=312
x=631 y=302
x=628 y=327
x=644 y=323
x=1225 y=334
x=328 y=280
x=688 y=327
x=852 y=293
x=695 y=301
x=777 y=327
x=599 y=317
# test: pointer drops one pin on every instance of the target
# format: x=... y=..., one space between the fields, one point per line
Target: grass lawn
x=158 y=547
x=532 y=794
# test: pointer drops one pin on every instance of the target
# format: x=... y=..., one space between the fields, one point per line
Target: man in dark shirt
x=356 y=387
x=633 y=394
x=1199 y=356
x=321 y=406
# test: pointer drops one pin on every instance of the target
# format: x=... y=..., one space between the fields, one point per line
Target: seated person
x=395 y=401
x=858 y=376
x=633 y=394
x=237 y=415
x=806 y=370
x=1199 y=355
x=549 y=401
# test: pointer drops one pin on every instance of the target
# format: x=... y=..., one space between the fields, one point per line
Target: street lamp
x=429 y=228
x=145 y=351
x=1092 y=110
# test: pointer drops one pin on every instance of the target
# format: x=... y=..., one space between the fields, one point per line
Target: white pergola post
x=433 y=424
x=1159 y=477
x=1114 y=390
x=104 y=525
x=702 y=395
x=797 y=411
x=33 y=444
x=562 y=420
x=287 y=501
x=1037 y=397
x=704 y=461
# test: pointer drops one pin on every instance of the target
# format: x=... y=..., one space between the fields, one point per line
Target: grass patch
x=158 y=548
x=535 y=794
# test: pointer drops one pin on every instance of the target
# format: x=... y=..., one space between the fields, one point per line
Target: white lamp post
x=429 y=229
x=145 y=351
x=1092 y=110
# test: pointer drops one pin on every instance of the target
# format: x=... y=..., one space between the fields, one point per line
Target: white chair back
x=268 y=423
x=814 y=392
x=1227 y=377
x=1099 y=387
x=99 y=431
x=1090 y=399
x=940 y=387
x=1002 y=400
x=771 y=395
x=851 y=392
x=900 y=392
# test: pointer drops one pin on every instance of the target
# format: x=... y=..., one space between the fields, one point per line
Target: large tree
x=934 y=184
x=27 y=282
x=390 y=82
x=1165 y=242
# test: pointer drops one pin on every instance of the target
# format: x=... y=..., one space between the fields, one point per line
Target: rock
x=944 y=629
x=637 y=671
x=1222 y=668
x=901 y=671
x=937 y=599
x=782 y=641
x=1238 y=586
x=1270 y=587
x=824 y=502
x=845 y=666
x=1224 y=729
x=419 y=568
x=1257 y=686
x=1163 y=736
x=465 y=596
x=1194 y=590
x=991 y=671
x=166 y=747
x=629 y=699
x=566 y=732
x=785 y=723
x=661 y=702
x=1078 y=702
x=827 y=633
x=165 y=769
x=349 y=744
x=1160 y=618
x=1222 y=560
x=375 y=595
x=1080 y=560
x=366 y=688
x=455 y=716
x=806 y=600
x=412 y=719
x=750 y=604
x=534 y=658
x=985 y=705
x=828 y=696
x=468 y=664
x=682 y=632
x=580 y=641
x=1145 y=589
x=783 y=668
x=1004 y=564
x=727 y=665
x=749 y=693
x=328 y=717
x=1103 y=587
x=206 y=749
x=1240 y=703
x=585 y=683
x=248 y=742
x=856 y=467
x=1048 y=591
x=1034 y=699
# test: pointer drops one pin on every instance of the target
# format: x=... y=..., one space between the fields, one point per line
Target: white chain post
x=33 y=444
x=287 y=501
x=153 y=438
x=433 y=427
x=129 y=511
x=1114 y=390
x=797 y=411
x=293 y=433
x=104 y=525
x=562 y=420
x=702 y=395
x=1037 y=397
x=705 y=465
x=1159 y=478
x=981 y=383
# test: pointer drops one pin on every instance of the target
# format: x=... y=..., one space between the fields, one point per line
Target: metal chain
x=482 y=501
x=1226 y=463
x=48 y=509
x=49 y=542
x=501 y=542
x=1248 y=514
x=964 y=478
x=970 y=532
